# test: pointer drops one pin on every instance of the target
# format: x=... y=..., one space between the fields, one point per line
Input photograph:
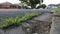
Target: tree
x=41 y=6
x=32 y=3
x=25 y=7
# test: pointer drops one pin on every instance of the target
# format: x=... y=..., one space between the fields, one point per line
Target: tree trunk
x=33 y=6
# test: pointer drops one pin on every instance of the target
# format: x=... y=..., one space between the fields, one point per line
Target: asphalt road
x=19 y=12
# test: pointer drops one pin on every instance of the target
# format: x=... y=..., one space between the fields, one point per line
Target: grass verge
x=57 y=10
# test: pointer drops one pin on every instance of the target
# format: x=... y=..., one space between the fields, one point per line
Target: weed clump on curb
x=11 y=21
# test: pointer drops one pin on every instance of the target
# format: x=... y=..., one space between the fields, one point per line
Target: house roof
x=54 y=5
x=59 y=4
x=6 y=3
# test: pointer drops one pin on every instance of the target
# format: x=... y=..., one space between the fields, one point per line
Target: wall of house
x=9 y=7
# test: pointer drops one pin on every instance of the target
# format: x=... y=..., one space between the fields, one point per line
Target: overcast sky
x=47 y=2
x=11 y=1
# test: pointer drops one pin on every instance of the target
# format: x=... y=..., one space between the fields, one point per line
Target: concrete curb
x=55 y=27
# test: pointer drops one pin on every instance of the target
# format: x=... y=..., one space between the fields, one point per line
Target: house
x=59 y=5
x=7 y=5
x=52 y=6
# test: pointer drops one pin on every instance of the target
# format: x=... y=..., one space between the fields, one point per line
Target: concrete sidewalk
x=44 y=17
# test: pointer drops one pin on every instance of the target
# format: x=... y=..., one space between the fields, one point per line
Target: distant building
x=59 y=5
x=53 y=6
x=7 y=5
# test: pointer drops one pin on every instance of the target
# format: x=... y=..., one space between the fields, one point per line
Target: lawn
x=57 y=11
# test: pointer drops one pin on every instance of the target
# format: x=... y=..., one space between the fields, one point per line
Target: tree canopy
x=41 y=6
x=32 y=3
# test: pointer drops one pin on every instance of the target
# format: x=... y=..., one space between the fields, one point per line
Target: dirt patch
x=38 y=27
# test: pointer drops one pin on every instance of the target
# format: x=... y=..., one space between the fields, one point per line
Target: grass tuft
x=17 y=20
